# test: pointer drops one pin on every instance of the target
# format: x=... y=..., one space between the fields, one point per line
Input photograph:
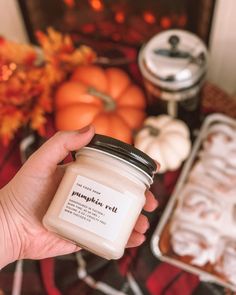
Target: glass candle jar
x=101 y=196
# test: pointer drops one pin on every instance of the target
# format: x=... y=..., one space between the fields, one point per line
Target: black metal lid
x=124 y=151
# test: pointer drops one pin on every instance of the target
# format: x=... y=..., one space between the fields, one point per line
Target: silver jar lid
x=174 y=60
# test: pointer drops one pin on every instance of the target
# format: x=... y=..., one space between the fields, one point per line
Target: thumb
x=45 y=160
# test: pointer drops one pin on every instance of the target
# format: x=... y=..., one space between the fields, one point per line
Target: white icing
x=228 y=261
x=206 y=209
x=198 y=243
x=202 y=206
x=223 y=130
x=216 y=145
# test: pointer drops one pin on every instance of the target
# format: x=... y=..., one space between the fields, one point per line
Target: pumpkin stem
x=152 y=130
x=109 y=103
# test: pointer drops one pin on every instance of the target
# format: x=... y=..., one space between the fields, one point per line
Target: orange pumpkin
x=105 y=98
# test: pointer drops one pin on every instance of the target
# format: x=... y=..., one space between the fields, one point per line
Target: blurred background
x=127 y=24
x=39 y=95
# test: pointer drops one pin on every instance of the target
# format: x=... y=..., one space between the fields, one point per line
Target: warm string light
x=120 y=17
x=70 y=3
x=149 y=17
x=165 y=22
x=96 y=5
x=182 y=20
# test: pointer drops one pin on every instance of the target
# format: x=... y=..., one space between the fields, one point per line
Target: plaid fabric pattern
x=138 y=272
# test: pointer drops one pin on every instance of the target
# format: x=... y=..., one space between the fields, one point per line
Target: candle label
x=96 y=208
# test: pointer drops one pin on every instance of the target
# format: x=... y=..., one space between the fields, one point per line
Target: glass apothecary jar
x=173 y=64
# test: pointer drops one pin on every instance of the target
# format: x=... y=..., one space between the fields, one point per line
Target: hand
x=25 y=199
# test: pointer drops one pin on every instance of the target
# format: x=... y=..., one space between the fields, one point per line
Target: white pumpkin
x=166 y=140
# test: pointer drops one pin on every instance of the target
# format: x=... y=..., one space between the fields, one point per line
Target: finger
x=151 y=202
x=158 y=166
x=53 y=246
x=142 y=224
x=60 y=171
x=135 y=240
x=63 y=167
x=63 y=249
x=45 y=159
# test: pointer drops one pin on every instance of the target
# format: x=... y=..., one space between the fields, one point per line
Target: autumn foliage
x=29 y=76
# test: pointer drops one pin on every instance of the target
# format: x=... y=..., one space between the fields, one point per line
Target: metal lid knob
x=173 y=41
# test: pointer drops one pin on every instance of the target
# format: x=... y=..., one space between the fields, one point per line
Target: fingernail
x=158 y=166
x=143 y=239
x=156 y=205
x=84 y=129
